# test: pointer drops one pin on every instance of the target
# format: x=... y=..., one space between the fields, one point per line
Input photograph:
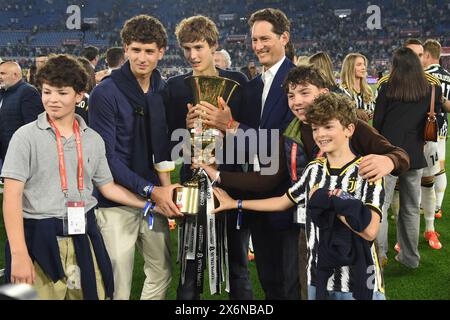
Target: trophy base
x=187 y=200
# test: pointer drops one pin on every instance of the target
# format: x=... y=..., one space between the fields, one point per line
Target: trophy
x=209 y=89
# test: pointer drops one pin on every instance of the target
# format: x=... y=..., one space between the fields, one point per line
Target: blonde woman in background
x=302 y=60
x=354 y=84
x=323 y=61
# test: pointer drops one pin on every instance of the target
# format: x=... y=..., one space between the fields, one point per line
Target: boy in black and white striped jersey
x=333 y=121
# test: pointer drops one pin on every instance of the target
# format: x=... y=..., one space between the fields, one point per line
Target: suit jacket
x=276 y=116
x=403 y=123
x=21 y=105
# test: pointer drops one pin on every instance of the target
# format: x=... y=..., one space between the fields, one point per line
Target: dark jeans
x=276 y=257
x=238 y=241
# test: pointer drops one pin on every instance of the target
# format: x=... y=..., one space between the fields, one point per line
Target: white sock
x=428 y=204
x=440 y=184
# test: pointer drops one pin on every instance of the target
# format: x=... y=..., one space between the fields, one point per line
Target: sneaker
x=172 y=224
x=433 y=241
x=251 y=255
x=384 y=262
x=438 y=214
x=397 y=247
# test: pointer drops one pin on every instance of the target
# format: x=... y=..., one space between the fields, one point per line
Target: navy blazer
x=21 y=105
x=276 y=116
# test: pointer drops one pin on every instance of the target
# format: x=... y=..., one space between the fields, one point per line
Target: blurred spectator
x=222 y=59
x=250 y=70
x=115 y=58
x=91 y=53
x=290 y=52
x=323 y=61
x=20 y=103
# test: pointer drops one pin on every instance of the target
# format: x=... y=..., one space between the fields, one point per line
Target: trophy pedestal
x=186 y=199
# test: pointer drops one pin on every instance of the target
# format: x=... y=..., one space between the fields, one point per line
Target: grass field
x=429 y=282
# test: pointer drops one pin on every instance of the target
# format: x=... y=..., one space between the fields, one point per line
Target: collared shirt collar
x=42 y=122
x=272 y=71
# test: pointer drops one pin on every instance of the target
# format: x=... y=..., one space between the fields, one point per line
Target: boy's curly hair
x=330 y=106
x=63 y=70
x=144 y=29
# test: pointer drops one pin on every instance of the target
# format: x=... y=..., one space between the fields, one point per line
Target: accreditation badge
x=300 y=216
x=75 y=221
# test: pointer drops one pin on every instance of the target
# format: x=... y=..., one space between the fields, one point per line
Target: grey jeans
x=408 y=223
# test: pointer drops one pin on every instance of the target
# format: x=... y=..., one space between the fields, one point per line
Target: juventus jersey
x=319 y=174
x=444 y=76
x=359 y=100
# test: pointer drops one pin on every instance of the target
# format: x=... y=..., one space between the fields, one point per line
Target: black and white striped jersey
x=444 y=77
x=319 y=174
x=359 y=100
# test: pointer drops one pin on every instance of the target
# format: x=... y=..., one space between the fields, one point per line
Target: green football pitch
x=430 y=281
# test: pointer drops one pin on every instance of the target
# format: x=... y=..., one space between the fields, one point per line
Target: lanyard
x=61 y=161
x=294 y=162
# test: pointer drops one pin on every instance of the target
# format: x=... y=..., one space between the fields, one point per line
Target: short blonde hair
x=433 y=47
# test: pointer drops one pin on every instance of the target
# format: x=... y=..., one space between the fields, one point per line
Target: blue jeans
x=337 y=295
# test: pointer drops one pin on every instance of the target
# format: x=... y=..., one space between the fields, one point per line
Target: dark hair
x=330 y=106
x=63 y=71
x=114 y=56
x=90 y=72
x=280 y=22
x=412 y=41
x=32 y=79
x=144 y=29
x=407 y=81
x=303 y=75
x=90 y=52
x=197 y=28
x=290 y=51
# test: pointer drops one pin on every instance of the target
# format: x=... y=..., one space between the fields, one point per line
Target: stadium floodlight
x=342 y=13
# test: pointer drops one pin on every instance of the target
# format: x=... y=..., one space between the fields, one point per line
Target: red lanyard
x=294 y=162
x=62 y=164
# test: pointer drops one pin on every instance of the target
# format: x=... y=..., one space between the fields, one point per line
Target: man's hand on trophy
x=226 y=202
x=218 y=118
x=191 y=116
x=163 y=196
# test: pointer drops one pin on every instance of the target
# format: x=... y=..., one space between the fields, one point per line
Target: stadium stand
x=29 y=27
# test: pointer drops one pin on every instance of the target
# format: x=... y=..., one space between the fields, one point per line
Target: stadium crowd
x=400 y=19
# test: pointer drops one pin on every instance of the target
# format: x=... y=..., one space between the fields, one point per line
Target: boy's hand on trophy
x=163 y=196
x=226 y=202
x=191 y=116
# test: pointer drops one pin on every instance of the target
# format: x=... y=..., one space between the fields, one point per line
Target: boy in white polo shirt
x=49 y=171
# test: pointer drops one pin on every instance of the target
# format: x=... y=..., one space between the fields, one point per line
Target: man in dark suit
x=20 y=103
x=274 y=236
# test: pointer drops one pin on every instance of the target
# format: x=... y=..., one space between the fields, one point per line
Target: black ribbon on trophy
x=202 y=236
